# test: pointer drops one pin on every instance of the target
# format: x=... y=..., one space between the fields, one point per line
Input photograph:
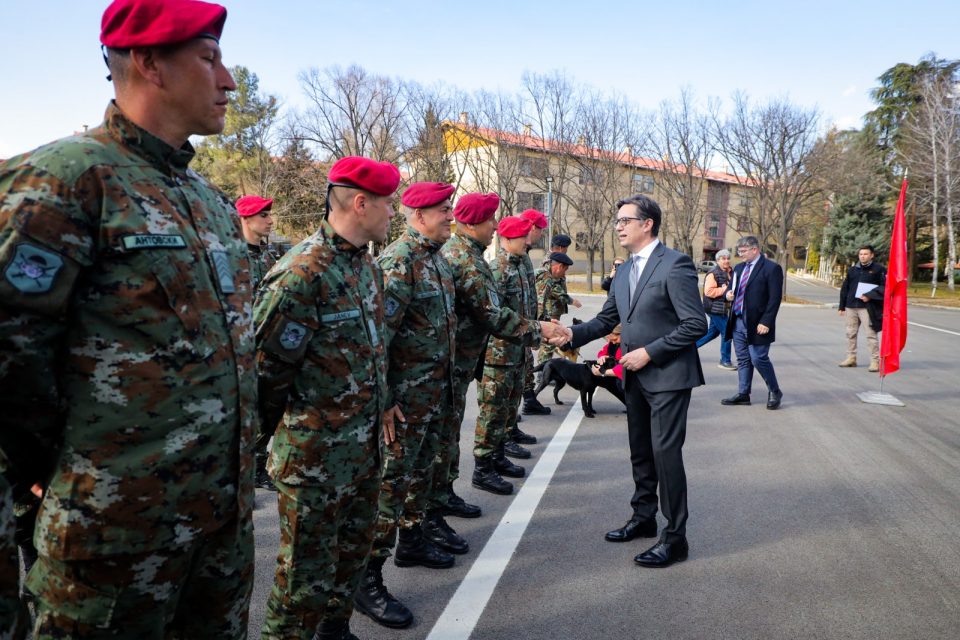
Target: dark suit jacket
x=761 y=301
x=665 y=316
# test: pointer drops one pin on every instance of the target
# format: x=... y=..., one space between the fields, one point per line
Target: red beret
x=252 y=205
x=538 y=219
x=153 y=23
x=474 y=208
x=379 y=178
x=514 y=227
x=421 y=195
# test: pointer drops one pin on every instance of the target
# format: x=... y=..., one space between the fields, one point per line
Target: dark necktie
x=741 y=289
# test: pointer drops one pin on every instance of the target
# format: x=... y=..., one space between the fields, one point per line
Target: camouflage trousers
x=326 y=533
x=200 y=589
x=406 y=480
x=527 y=373
x=12 y=615
x=498 y=397
x=447 y=463
x=260 y=445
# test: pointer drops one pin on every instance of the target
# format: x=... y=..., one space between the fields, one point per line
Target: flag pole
x=894 y=329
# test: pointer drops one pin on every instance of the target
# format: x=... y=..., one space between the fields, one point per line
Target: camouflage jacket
x=262 y=260
x=421 y=326
x=127 y=346
x=321 y=361
x=530 y=303
x=508 y=272
x=478 y=309
x=551 y=296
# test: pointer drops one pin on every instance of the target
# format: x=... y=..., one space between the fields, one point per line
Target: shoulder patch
x=390 y=306
x=292 y=335
x=33 y=269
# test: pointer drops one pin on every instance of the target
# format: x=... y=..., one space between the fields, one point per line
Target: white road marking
x=465 y=607
x=917 y=324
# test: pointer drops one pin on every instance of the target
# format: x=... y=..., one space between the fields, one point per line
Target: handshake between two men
x=559 y=335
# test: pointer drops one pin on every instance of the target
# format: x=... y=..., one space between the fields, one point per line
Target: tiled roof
x=545 y=145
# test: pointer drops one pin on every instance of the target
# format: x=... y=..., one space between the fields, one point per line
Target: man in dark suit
x=655 y=298
x=755 y=296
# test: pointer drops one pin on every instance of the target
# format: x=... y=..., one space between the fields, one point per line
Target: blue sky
x=823 y=54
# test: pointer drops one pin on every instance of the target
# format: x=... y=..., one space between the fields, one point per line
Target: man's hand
x=841 y=312
x=555 y=333
x=595 y=370
x=389 y=429
x=575 y=303
x=729 y=296
x=762 y=329
x=635 y=360
x=865 y=298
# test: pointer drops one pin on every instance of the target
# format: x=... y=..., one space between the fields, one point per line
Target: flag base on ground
x=879 y=397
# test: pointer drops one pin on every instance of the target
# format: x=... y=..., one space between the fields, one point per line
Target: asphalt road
x=829 y=518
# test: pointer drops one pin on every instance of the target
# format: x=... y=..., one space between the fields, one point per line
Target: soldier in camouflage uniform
x=12 y=613
x=256 y=223
x=551 y=295
x=127 y=350
x=322 y=369
x=479 y=315
x=421 y=325
x=498 y=393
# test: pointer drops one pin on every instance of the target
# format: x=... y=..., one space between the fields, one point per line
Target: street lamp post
x=550 y=226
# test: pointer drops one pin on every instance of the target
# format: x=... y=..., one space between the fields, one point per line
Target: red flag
x=894 y=333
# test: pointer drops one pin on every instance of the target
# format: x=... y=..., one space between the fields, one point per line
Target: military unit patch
x=390 y=306
x=221 y=263
x=33 y=269
x=292 y=336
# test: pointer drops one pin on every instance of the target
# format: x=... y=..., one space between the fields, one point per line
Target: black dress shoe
x=636 y=528
x=739 y=398
x=514 y=450
x=663 y=554
x=773 y=399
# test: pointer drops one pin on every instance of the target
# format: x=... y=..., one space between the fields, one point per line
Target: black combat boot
x=532 y=406
x=372 y=599
x=514 y=450
x=334 y=630
x=486 y=477
x=504 y=467
x=413 y=549
x=261 y=478
x=436 y=530
x=520 y=437
x=456 y=506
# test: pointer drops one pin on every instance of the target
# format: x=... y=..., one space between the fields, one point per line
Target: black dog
x=563 y=372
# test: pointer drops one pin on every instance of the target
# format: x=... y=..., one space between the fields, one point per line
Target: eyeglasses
x=619 y=222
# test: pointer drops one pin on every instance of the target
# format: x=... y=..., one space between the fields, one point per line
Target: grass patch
x=919 y=292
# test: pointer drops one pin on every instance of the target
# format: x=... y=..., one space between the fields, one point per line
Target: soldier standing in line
x=479 y=314
x=551 y=297
x=127 y=357
x=420 y=329
x=12 y=612
x=531 y=406
x=498 y=393
x=256 y=224
x=322 y=370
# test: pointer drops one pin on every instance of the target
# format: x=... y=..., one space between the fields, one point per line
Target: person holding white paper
x=861 y=301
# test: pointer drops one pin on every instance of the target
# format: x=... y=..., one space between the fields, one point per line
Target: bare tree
x=605 y=162
x=352 y=112
x=771 y=147
x=424 y=142
x=931 y=149
x=682 y=139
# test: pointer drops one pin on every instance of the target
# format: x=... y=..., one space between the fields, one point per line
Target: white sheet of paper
x=863 y=288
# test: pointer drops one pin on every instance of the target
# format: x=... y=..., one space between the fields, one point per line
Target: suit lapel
x=652 y=263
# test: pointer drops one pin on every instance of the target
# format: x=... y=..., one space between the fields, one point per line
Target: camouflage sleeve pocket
x=287 y=339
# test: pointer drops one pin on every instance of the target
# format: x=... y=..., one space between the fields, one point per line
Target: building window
x=528 y=200
x=643 y=183
x=531 y=167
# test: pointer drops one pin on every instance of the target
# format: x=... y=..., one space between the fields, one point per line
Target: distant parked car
x=706 y=266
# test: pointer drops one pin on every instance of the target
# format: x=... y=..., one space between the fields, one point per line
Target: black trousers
x=656 y=428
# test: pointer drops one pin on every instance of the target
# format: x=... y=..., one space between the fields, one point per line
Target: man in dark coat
x=755 y=296
x=865 y=308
